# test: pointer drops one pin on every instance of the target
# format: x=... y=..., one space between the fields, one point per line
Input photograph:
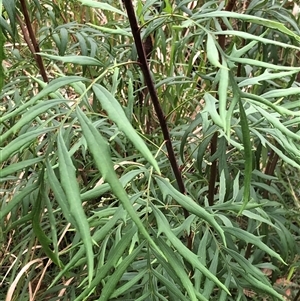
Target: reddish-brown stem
x=230 y=5
x=270 y=168
x=26 y=36
x=213 y=170
x=153 y=94
x=34 y=42
x=160 y=115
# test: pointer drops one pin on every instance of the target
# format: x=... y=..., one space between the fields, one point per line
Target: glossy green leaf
x=282 y=110
x=10 y=8
x=262 y=286
x=236 y=206
x=254 y=216
x=267 y=75
x=247 y=266
x=281 y=92
x=223 y=295
x=64 y=38
x=2 y=57
x=211 y=108
x=82 y=44
x=53 y=224
x=246 y=35
x=202 y=255
x=262 y=64
x=222 y=191
x=274 y=120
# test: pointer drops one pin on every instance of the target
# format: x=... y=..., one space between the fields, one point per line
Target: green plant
x=104 y=197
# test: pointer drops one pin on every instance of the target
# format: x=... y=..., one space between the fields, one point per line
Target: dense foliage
x=164 y=168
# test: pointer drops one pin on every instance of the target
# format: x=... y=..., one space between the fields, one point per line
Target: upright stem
x=270 y=168
x=153 y=94
x=34 y=42
x=213 y=170
x=160 y=115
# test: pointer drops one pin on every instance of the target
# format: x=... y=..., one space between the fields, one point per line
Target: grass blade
x=250 y=238
x=116 y=254
x=101 y=154
x=117 y=115
x=189 y=205
x=20 y=142
x=247 y=156
x=164 y=227
x=71 y=189
x=116 y=276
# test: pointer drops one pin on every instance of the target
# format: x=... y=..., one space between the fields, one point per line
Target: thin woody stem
x=34 y=42
x=153 y=94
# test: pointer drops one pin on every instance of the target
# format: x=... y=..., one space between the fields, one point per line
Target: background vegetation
x=168 y=174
